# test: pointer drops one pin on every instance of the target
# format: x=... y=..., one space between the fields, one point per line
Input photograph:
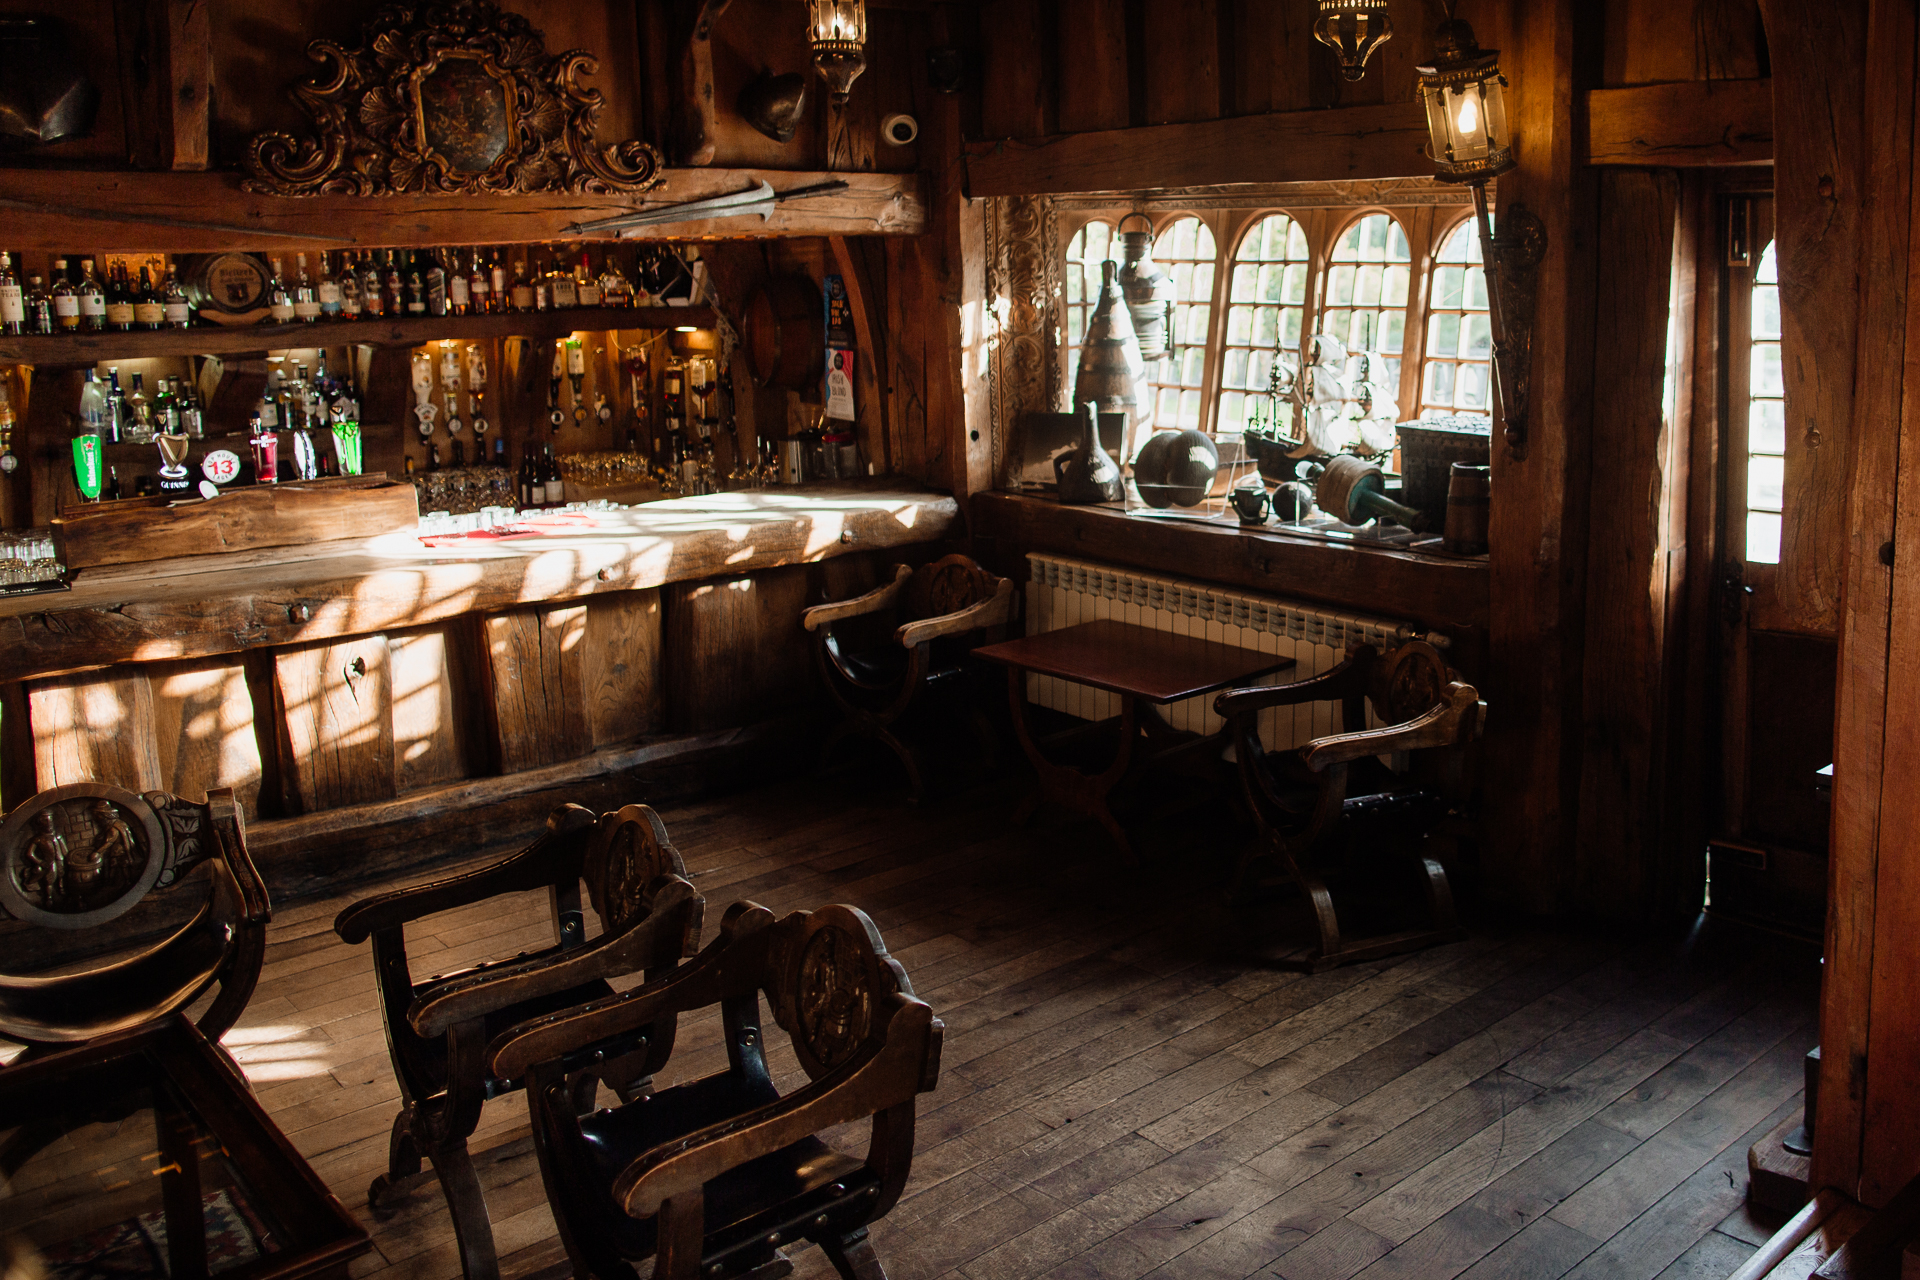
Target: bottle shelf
x=69 y=349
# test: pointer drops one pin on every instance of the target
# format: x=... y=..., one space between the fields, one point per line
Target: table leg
x=1070 y=788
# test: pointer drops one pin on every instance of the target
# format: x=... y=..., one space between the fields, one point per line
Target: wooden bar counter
x=376 y=701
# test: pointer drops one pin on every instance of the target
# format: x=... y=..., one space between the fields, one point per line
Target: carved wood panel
x=1024 y=307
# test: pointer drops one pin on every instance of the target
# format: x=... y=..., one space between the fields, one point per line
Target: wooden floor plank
x=1119 y=1097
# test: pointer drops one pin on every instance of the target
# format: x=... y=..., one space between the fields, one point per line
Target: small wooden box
x=268 y=515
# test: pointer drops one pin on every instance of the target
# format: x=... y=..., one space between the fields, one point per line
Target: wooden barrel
x=1468 y=490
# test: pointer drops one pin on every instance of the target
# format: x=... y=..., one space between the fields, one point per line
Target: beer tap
x=450 y=388
x=424 y=408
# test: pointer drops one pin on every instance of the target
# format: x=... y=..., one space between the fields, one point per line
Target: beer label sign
x=221 y=466
x=89 y=465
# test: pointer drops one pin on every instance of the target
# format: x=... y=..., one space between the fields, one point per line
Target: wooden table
x=1146 y=669
x=151 y=1142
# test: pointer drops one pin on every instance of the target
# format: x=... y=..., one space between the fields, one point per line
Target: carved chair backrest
x=1408 y=682
x=831 y=985
x=76 y=859
x=627 y=854
x=946 y=586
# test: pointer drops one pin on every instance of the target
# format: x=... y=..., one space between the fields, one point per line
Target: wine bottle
x=459 y=290
x=13 y=298
x=39 y=306
x=119 y=309
x=279 y=297
x=306 y=302
x=373 y=297
x=523 y=291
x=586 y=285
x=66 y=300
x=149 y=307
x=394 y=287
x=93 y=299
x=416 y=287
x=179 y=311
x=497 y=277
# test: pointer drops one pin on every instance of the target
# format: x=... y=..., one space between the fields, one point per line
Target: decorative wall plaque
x=455 y=98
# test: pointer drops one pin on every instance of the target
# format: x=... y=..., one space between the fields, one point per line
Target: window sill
x=1445 y=594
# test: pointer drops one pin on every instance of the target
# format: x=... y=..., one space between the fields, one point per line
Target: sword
x=758 y=198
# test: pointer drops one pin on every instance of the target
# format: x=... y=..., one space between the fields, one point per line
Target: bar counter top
x=194 y=606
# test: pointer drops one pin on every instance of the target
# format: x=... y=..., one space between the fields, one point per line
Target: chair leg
x=403 y=1168
x=472 y=1226
x=1325 y=920
x=916 y=783
x=853 y=1257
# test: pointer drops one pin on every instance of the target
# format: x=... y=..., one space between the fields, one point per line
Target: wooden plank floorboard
x=1120 y=1096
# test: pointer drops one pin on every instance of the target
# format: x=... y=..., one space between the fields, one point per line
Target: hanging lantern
x=837 y=32
x=1353 y=29
x=1466 y=109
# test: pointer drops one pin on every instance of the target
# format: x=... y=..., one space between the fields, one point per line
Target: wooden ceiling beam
x=52 y=210
x=1689 y=124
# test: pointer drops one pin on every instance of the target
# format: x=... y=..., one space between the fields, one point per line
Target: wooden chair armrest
x=531 y=868
x=856 y=1090
x=990 y=612
x=1455 y=719
x=700 y=982
x=655 y=944
x=872 y=602
x=1344 y=681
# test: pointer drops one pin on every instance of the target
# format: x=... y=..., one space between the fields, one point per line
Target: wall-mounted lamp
x=1469 y=142
x=1353 y=29
x=837 y=33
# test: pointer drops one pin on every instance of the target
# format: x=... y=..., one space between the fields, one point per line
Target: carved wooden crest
x=626 y=854
x=79 y=855
x=836 y=974
x=947 y=586
x=1408 y=682
x=455 y=98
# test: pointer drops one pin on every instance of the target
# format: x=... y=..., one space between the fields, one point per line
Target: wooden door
x=1768 y=858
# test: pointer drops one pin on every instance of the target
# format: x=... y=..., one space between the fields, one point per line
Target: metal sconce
x=1470 y=142
x=837 y=33
x=1353 y=29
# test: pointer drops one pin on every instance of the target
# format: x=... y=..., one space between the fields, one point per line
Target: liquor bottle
x=459 y=290
x=39 y=306
x=500 y=452
x=586 y=284
x=167 y=407
x=266 y=450
x=139 y=425
x=119 y=300
x=416 y=286
x=373 y=297
x=332 y=302
x=566 y=295
x=149 y=308
x=162 y=397
x=480 y=286
x=542 y=283
x=193 y=419
x=13 y=298
x=116 y=407
x=279 y=297
x=523 y=291
x=95 y=415
x=348 y=282
x=173 y=301
x=497 y=277
x=524 y=480
x=436 y=276
x=394 y=287
x=93 y=299
x=66 y=300
x=306 y=302
x=615 y=290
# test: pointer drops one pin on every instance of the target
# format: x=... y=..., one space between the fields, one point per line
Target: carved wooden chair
x=711 y=1177
x=886 y=653
x=438 y=1028
x=74 y=859
x=1332 y=811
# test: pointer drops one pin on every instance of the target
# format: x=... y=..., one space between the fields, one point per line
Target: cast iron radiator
x=1063 y=592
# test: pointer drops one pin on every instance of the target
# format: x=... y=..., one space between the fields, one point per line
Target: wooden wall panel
x=1182 y=52
x=1627 y=672
x=620 y=667
x=1093 y=57
x=1658 y=41
x=430 y=745
x=204 y=730
x=94 y=728
x=337 y=701
x=736 y=649
x=538 y=690
x=1017 y=95
x=1819 y=167
x=1272 y=49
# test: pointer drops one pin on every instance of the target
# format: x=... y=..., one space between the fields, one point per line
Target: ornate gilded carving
x=455 y=98
x=78 y=855
x=1023 y=293
x=627 y=854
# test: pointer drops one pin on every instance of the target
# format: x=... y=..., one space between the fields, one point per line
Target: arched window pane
x=1766 y=416
x=1185 y=250
x=1457 y=373
x=1268 y=314
x=1366 y=297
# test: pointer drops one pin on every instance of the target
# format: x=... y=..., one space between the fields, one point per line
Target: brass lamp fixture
x=1353 y=29
x=1470 y=143
x=837 y=33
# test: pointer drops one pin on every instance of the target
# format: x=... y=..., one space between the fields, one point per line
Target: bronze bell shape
x=1149 y=291
x=1112 y=375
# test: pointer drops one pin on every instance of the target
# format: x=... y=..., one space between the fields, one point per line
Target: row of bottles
x=131 y=417
x=352 y=285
